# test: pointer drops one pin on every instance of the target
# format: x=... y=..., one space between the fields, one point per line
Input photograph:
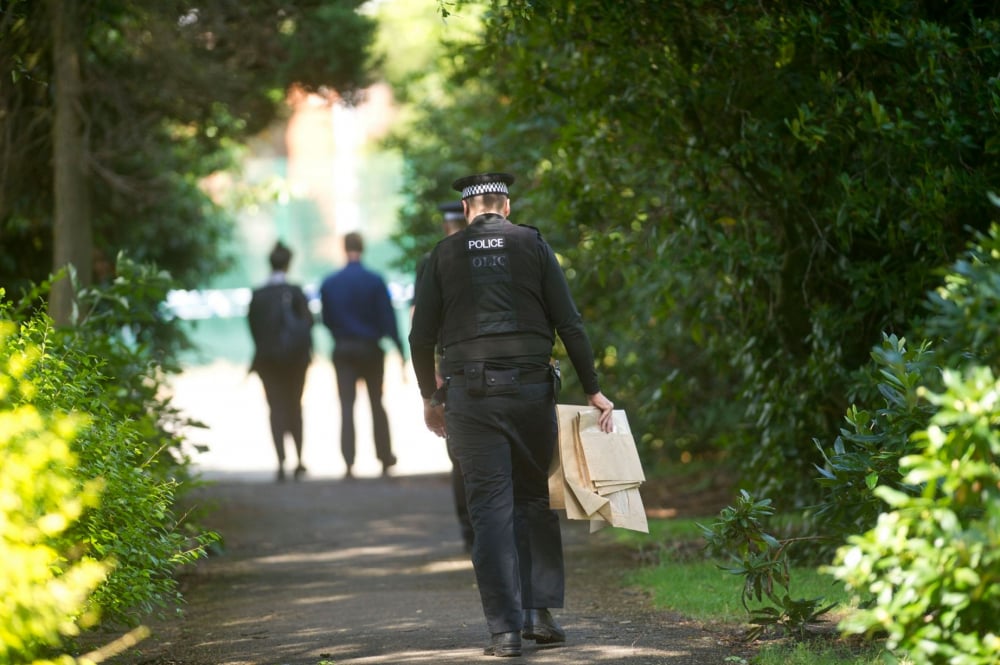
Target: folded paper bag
x=596 y=475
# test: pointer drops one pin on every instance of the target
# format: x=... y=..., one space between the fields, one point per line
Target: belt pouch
x=502 y=381
x=475 y=381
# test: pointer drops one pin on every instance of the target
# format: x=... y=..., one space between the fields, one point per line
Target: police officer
x=494 y=296
x=452 y=221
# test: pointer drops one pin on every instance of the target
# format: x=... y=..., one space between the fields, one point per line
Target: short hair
x=492 y=201
x=280 y=257
x=353 y=242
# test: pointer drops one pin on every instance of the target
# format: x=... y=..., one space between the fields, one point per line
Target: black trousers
x=283 y=386
x=504 y=445
x=461 y=504
x=361 y=360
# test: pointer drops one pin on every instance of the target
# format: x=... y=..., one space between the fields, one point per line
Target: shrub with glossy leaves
x=959 y=332
x=876 y=435
x=933 y=561
x=763 y=561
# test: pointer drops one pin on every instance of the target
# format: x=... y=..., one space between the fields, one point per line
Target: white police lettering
x=489 y=261
x=486 y=243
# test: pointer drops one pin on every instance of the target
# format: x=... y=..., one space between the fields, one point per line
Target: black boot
x=504 y=645
x=541 y=627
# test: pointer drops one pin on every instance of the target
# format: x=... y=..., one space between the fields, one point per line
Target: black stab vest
x=491 y=276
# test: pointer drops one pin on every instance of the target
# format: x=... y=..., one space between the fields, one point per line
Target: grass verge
x=679 y=577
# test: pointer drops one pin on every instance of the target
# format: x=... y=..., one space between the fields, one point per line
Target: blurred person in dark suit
x=281 y=327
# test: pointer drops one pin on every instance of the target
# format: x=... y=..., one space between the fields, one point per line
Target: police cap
x=483 y=183
x=452 y=210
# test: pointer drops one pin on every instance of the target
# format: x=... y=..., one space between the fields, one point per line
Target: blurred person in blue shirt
x=358 y=312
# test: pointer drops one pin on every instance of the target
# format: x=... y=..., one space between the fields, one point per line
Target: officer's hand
x=434 y=418
x=606 y=407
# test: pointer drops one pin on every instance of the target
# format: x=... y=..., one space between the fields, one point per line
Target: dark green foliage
x=748 y=198
x=889 y=405
x=172 y=91
x=868 y=450
x=745 y=197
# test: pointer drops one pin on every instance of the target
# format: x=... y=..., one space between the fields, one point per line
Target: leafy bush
x=924 y=446
x=930 y=454
x=111 y=366
x=933 y=561
x=763 y=561
x=959 y=331
x=965 y=308
x=44 y=581
x=866 y=454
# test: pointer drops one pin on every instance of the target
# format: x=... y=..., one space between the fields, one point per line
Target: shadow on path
x=372 y=571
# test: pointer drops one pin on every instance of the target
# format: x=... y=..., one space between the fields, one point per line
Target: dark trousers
x=283 y=386
x=361 y=360
x=504 y=445
x=461 y=504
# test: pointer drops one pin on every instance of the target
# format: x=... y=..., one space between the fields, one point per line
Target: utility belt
x=497 y=346
x=482 y=381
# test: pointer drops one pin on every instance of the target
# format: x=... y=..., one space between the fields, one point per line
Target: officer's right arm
x=424 y=330
x=423 y=340
x=569 y=326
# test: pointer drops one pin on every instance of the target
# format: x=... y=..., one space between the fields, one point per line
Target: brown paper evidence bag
x=596 y=475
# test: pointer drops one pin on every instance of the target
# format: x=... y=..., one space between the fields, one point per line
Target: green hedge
x=43 y=586
x=105 y=375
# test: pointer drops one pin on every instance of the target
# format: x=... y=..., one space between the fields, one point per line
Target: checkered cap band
x=479 y=189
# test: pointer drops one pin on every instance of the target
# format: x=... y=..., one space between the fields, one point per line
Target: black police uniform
x=457 y=481
x=493 y=295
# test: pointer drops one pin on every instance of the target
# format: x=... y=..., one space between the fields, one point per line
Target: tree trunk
x=72 y=239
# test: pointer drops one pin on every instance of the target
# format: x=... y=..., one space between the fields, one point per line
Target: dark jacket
x=281 y=326
x=495 y=291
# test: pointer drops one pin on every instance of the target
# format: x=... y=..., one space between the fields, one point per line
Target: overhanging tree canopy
x=746 y=196
x=170 y=90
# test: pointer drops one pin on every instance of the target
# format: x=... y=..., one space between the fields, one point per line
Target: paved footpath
x=328 y=572
x=334 y=572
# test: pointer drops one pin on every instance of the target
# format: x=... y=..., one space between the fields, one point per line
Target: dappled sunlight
x=390 y=556
x=661 y=513
x=415 y=656
x=329 y=555
x=449 y=566
x=613 y=652
x=373 y=572
x=596 y=654
x=321 y=600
